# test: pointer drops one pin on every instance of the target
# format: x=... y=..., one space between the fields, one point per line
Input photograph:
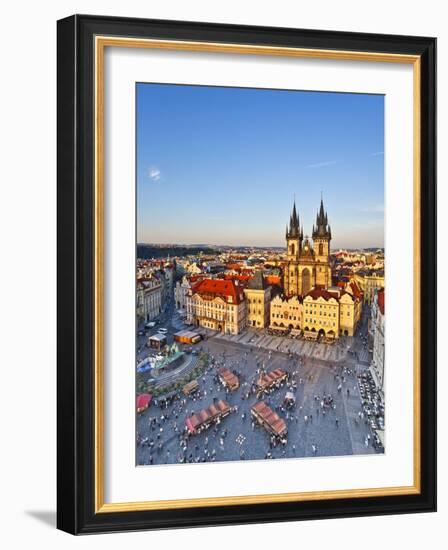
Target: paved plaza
x=316 y=370
x=260 y=340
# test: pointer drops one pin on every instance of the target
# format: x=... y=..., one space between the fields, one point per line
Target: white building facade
x=377 y=330
x=149 y=298
x=181 y=292
x=217 y=304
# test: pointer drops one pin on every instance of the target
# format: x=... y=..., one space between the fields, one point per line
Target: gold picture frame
x=99 y=40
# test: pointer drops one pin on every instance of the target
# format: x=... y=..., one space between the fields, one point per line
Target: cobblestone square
x=314 y=370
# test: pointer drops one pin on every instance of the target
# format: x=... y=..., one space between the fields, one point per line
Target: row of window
x=282 y=316
x=212 y=305
x=317 y=322
x=324 y=314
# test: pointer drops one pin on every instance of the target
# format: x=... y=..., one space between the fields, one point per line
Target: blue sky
x=222 y=165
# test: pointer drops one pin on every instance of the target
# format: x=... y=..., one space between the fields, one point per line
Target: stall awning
x=143 y=401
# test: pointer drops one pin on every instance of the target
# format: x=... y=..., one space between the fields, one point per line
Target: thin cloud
x=377 y=154
x=154 y=174
x=321 y=164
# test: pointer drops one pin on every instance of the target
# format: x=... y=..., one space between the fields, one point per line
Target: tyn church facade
x=307 y=263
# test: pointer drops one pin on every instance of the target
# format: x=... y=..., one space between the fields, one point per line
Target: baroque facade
x=286 y=313
x=180 y=293
x=217 y=304
x=149 y=298
x=332 y=312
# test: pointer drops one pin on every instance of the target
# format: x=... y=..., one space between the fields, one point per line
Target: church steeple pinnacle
x=321 y=229
x=294 y=224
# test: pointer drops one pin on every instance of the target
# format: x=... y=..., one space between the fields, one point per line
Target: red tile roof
x=272 y=280
x=235 y=267
x=241 y=278
x=220 y=287
x=381 y=300
x=357 y=293
x=325 y=294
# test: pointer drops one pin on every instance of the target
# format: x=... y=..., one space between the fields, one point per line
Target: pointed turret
x=294 y=224
x=295 y=220
x=322 y=229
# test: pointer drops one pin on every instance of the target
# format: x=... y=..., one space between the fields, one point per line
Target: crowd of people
x=166 y=439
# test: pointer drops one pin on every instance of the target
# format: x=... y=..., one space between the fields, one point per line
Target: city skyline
x=204 y=147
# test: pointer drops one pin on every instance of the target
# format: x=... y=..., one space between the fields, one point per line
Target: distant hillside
x=146 y=251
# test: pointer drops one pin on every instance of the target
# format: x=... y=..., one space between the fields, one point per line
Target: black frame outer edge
x=75 y=461
x=67 y=481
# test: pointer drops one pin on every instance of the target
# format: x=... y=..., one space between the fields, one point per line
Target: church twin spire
x=321 y=229
x=307 y=262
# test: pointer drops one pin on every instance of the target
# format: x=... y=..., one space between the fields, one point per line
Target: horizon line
x=244 y=245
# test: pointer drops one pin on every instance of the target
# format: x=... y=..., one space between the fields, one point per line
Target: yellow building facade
x=369 y=282
x=331 y=312
x=321 y=313
x=258 y=298
x=286 y=313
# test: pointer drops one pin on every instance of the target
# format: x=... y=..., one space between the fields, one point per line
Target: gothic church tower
x=321 y=246
x=307 y=264
x=294 y=238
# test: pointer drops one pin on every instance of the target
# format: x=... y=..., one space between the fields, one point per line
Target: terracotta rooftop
x=273 y=279
x=316 y=293
x=357 y=293
x=220 y=287
x=381 y=300
x=243 y=279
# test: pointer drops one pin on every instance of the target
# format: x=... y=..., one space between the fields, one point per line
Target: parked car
x=163 y=330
